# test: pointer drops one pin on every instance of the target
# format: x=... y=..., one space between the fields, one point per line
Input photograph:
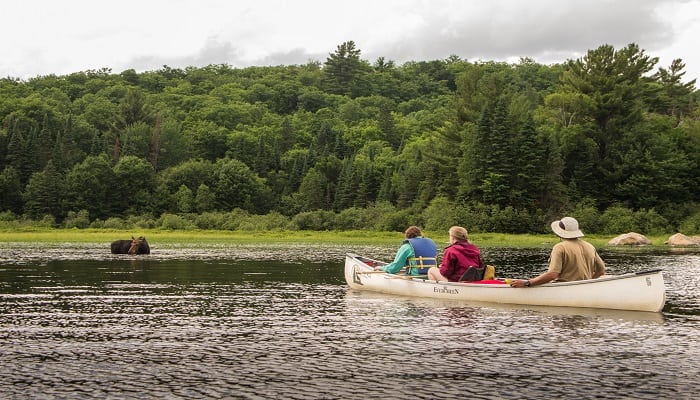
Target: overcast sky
x=41 y=37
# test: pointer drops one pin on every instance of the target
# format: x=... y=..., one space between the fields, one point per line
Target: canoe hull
x=642 y=291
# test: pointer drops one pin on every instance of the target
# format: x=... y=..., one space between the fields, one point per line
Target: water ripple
x=221 y=328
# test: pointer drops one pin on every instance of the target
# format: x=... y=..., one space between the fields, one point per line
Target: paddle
x=407 y=276
x=392 y=275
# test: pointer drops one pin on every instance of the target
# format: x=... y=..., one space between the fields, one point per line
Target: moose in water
x=133 y=246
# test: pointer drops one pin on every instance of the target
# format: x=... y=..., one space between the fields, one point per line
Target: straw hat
x=567 y=228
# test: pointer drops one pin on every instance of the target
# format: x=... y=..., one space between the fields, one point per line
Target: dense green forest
x=611 y=138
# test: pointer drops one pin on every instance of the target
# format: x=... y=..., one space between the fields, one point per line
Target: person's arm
x=552 y=273
x=599 y=266
x=404 y=252
x=538 y=280
x=445 y=266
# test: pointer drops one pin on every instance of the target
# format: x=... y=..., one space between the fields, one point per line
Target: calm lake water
x=279 y=322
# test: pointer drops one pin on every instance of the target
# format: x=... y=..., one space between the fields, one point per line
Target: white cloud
x=41 y=38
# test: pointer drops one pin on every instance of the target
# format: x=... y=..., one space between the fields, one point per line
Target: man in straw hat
x=572 y=259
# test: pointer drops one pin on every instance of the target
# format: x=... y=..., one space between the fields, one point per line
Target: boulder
x=680 y=239
x=630 y=239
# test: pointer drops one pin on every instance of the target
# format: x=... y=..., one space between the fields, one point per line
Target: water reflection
x=461 y=307
x=251 y=322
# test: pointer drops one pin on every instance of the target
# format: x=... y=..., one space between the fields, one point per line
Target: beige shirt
x=574 y=260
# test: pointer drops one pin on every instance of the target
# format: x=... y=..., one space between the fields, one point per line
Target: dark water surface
x=279 y=322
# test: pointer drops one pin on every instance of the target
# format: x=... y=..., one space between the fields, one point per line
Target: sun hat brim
x=559 y=230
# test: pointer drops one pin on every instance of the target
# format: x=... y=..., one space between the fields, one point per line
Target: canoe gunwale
x=603 y=278
x=634 y=291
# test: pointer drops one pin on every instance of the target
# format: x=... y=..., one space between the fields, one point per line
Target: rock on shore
x=630 y=239
x=680 y=239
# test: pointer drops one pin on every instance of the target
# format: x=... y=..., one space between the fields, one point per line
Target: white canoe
x=638 y=291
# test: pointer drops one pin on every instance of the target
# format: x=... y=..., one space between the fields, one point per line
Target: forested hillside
x=611 y=138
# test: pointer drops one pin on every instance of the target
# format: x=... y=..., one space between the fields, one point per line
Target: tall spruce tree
x=346 y=190
x=10 y=190
x=42 y=195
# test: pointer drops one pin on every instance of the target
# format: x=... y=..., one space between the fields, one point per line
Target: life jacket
x=425 y=252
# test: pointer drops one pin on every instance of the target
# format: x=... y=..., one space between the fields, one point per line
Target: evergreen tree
x=58 y=153
x=386 y=189
x=44 y=145
x=346 y=190
x=616 y=82
x=366 y=187
x=30 y=150
x=10 y=190
x=675 y=97
x=406 y=183
x=474 y=167
x=17 y=156
x=286 y=141
x=312 y=191
x=388 y=126
x=134 y=109
x=344 y=71
x=395 y=135
x=499 y=141
x=530 y=168
x=67 y=145
x=42 y=195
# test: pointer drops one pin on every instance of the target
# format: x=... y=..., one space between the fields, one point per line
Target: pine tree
x=58 y=153
x=16 y=154
x=42 y=195
x=367 y=186
x=10 y=190
x=676 y=98
x=346 y=190
x=44 y=145
x=343 y=69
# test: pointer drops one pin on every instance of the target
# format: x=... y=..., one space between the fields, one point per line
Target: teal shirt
x=403 y=254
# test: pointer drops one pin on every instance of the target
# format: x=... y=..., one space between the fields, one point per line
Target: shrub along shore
x=216 y=238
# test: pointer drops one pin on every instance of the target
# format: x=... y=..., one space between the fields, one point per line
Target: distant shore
x=205 y=238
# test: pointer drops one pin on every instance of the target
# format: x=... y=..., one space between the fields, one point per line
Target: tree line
x=611 y=138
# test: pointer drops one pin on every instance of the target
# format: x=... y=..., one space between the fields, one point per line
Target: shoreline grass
x=213 y=237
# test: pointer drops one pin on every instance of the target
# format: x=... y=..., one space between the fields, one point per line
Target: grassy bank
x=195 y=238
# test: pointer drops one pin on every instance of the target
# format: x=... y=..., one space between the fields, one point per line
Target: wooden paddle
x=407 y=276
x=392 y=275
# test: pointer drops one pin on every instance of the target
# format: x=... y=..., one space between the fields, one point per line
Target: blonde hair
x=459 y=233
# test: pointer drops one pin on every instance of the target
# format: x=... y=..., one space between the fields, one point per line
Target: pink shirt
x=457 y=258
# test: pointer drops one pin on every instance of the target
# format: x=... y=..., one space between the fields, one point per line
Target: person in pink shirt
x=458 y=256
